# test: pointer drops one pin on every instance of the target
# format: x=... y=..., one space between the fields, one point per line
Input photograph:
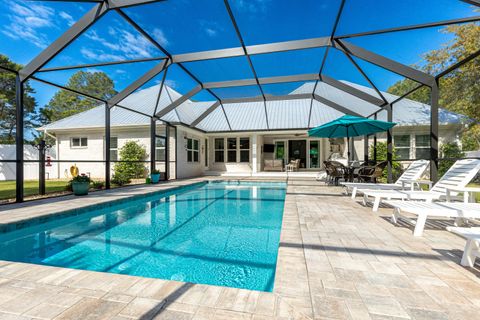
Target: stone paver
x=337 y=260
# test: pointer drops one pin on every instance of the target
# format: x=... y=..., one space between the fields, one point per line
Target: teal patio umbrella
x=349 y=126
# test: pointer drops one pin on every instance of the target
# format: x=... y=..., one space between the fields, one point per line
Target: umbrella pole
x=348 y=149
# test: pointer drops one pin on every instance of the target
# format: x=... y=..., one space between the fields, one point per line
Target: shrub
x=449 y=150
x=125 y=171
x=98 y=185
x=81 y=178
x=397 y=169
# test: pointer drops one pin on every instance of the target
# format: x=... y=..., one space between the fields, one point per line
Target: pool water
x=219 y=233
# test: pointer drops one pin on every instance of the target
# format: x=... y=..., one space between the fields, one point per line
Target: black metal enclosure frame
x=341 y=43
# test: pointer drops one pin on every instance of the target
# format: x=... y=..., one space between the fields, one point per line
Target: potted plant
x=155 y=176
x=80 y=185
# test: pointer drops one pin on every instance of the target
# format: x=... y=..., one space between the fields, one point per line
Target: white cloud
x=68 y=18
x=121 y=43
x=211 y=32
x=99 y=55
x=252 y=6
x=24 y=22
x=170 y=83
x=160 y=37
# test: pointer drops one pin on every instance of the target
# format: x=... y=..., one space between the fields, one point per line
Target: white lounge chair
x=458 y=176
x=472 y=247
x=423 y=210
x=414 y=172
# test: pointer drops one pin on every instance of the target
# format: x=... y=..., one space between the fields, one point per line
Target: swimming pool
x=219 y=233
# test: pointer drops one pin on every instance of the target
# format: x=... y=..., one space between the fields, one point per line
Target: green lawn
x=7 y=188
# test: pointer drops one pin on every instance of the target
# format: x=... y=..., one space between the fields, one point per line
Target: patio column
x=153 y=138
x=254 y=154
x=19 y=139
x=167 y=152
x=107 y=146
x=389 y=145
x=434 y=96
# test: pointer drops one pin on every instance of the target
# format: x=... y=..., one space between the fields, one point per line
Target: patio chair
x=294 y=165
x=458 y=176
x=424 y=210
x=408 y=179
x=472 y=247
x=335 y=171
x=371 y=173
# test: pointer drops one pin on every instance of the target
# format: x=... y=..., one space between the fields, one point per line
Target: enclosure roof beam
x=100 y=64
x=268 y=98
x=335 y=106
x=63 y=41
x=179 y=101
x=129 y=3
x=247 y=55
x=138 y=83
x=352 y=90
x=398 y=99
x=269 y=80
x=412 y=27
x=472 y=2
x=385 y=63
x=212 y=108
x=253 y=50
x=458 y=64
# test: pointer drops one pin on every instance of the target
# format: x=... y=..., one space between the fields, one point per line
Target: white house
x=238 y=138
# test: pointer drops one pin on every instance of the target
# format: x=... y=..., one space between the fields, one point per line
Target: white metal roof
x=246 y=116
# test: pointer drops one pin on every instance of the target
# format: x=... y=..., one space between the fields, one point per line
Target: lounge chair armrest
x=467 y=192
x=417 y=182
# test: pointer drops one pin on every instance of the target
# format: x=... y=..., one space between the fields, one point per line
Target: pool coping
x=286 y=303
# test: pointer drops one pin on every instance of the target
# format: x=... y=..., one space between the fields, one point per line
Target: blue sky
x=194 y=25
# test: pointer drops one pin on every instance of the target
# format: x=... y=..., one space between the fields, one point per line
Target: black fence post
x=167 y=152
x=107 y=147
x=153 y=138
x=389 y=145
x=41 y=170
x=19 y=195
x=434 y=96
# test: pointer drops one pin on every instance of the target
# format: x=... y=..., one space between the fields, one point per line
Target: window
x=314 y=154
x=219 y=150
x=231 y=149
x=422 y=146
x=402 y=146
x=159 y=149
x=113 y=148
x=192 y=150
x=78 y=142
x=244 y=149
x=206 y=152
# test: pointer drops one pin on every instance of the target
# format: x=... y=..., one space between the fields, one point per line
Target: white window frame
x=114 y=149
x=409 y=147
x=80 y=146
x=215 y=150
x=159 y=148
x=192 y=150
x=239 y=150
x=230 y=150
x=415 y=147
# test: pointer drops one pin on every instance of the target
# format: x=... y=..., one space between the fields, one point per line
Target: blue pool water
x=219 y=233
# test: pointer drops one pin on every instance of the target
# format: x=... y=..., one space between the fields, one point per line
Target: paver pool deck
x=337 y=260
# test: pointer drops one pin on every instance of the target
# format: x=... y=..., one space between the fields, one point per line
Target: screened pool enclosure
x=224 y=66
